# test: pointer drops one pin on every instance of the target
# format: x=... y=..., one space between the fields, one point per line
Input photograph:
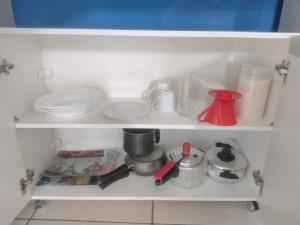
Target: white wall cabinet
x=122 y=63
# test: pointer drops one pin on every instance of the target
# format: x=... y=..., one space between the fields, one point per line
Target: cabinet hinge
x=6 y=67
x=283 y=69
x=252 y=206
x=24 y=182
x=259 y=180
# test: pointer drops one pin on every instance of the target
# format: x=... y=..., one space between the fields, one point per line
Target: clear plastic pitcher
x=192 y=94
x=187 y=96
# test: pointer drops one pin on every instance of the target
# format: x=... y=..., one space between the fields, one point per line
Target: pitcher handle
x=154 y=103
x=202 y=114
x=148 y=92
x=157 y=136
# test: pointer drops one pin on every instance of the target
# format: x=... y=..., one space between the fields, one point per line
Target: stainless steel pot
x=186 y=167
x=143 y=166
x=140 y=142
x=226 y=164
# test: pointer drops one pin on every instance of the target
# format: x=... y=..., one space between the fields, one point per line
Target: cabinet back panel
x=253 y=144
x=124 y=66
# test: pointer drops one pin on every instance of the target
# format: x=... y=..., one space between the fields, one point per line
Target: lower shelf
x=143 y=188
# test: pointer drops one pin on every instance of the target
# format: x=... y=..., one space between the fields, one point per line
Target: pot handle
x=169 y=170
x=227 y=174
x=157 y=136
x=115 y=175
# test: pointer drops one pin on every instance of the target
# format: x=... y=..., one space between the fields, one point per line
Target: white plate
x=67 y=99
x=70 y=102
x=69 y=112
x=127 y=110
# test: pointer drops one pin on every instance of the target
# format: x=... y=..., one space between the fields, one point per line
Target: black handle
x=157 y=136
x=223 y=145
x=117 y=174
x=227 y=174
x=173 y=173
x=226 y=154
x=94 y=180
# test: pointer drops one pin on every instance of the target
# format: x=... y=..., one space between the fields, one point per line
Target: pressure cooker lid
x=225 y=157
x=191 y=156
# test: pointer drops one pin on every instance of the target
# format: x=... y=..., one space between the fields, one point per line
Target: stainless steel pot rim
x=195 y=158
x=198 y=167
x=222 y=168
x=187 y=164
x=138 y=131
x=156 y=154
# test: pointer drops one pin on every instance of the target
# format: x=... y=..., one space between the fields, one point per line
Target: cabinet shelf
x=145 y=33
x=143 y=188
x=95 y=119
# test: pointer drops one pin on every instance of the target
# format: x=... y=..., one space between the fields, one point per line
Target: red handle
x=202 y=114
x=164 y=170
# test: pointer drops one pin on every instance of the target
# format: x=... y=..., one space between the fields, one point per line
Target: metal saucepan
x=186 y=167
x=140 y=142
x=143 y=166
x=226 y=164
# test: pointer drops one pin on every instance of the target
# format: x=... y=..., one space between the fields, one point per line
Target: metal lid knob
x=226 y=154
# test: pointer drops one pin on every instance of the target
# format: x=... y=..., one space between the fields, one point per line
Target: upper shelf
x=146 y=33
x=95 y=119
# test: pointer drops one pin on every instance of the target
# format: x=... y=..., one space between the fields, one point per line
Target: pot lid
x=191 y=156
x=225 y=157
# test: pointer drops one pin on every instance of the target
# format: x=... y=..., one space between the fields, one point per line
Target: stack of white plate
x=69 y=102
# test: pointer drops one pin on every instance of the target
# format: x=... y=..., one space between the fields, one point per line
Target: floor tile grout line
x=178 y=224
x=152 y=212
x=22 y=218
x=90 y=221
x=29 y=220
x=26 y=218
x=112 y=222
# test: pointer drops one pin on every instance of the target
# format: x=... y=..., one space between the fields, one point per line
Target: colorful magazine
x=80 y=167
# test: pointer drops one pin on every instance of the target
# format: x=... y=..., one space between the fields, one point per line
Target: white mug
x=152 y=92
x=165 y=101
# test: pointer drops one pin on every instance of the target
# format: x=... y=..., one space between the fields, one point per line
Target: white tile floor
x=27 y=212
x=45 y=222
x=136 y=213
x=187 y=213
x=112 y=211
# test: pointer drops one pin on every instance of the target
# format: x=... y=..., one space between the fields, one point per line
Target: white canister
x=254 y=84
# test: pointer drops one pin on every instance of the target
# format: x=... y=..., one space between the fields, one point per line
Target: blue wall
x=236 y=15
